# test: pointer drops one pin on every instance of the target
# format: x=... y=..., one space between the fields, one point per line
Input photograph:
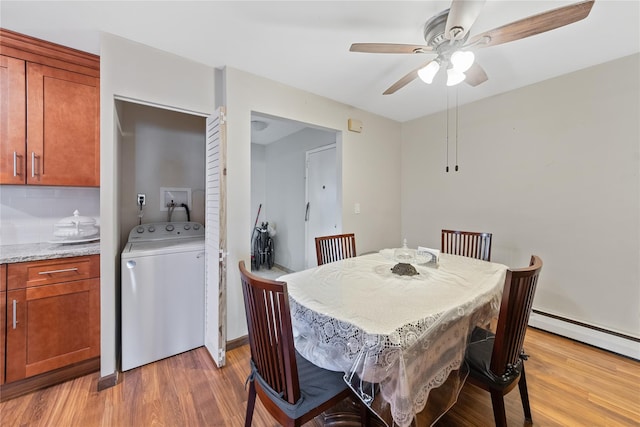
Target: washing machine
x=162 y=292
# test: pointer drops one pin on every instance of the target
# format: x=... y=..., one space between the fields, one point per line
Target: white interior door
x=321 y=216
x=215 y=239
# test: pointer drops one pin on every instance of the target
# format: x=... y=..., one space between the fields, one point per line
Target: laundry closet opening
x=161 y=210
x=299 y=203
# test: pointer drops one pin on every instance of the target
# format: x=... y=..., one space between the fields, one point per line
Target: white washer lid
x=158 y=247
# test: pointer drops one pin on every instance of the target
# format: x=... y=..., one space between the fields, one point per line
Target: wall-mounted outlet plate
x=177 y=196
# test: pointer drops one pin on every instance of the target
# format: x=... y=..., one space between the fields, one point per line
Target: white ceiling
x=305 y=44
x=274 y=130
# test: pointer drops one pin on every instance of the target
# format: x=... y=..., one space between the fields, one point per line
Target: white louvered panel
x=215 y=271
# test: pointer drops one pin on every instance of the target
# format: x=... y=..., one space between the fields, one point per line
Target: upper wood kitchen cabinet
x=49 y=113
x=13 y=120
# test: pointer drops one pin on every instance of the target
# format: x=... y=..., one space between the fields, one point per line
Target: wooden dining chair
x=496 y=361
x=292 y=389
x=335 y=248
x=467 y=243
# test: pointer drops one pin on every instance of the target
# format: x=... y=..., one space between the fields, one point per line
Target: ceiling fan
x=447 y=36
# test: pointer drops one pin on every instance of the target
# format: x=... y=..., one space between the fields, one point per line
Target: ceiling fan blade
x=462 y=15
x=475 y=75
x=408 y=78
x=535 y=24
x=389 y=48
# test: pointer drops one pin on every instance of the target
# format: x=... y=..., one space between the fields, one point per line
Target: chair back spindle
x=335 y=248
x=467 y=243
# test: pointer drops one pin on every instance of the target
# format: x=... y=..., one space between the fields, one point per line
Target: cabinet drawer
x=37 y=273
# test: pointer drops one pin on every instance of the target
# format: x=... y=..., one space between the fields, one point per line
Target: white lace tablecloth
x=395 y=337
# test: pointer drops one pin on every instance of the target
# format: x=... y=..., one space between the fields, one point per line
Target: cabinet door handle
x=15 y=164
x=33 y=164
x=15 y=315
x=58 y=271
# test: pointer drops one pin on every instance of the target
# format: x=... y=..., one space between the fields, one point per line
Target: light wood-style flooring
x=570 y=384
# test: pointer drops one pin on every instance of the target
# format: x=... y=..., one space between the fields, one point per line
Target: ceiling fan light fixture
x=454 y=77
x=449 y=31
x=462 y=60
x=428 y=72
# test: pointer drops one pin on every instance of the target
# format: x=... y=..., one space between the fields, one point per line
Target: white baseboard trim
x=610 y=342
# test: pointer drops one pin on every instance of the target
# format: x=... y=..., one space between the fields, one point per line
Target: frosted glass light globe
x=454 y=77
x=428 y=72
x=462 y=61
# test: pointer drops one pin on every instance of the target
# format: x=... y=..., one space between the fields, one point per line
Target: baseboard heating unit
x=598 y=337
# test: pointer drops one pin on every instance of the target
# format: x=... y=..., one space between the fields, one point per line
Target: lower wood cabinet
x=3 y=317
x=53 y=315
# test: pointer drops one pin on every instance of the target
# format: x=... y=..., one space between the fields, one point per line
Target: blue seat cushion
x=317 y=385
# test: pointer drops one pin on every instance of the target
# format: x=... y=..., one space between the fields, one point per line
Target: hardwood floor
x=570 y=384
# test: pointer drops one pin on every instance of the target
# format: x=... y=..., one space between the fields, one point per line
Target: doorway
x=278 y=183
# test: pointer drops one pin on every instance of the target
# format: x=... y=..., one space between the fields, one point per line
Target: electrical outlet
x=142 y=198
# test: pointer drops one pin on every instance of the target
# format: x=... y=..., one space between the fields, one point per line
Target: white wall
x=134 y=71
x=285 y=177
x=372 y=177
x=550 y=169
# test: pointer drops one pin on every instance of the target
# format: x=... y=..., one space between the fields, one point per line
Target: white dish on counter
x=75 y=227
x=66 y=241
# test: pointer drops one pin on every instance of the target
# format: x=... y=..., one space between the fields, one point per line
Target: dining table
x=399 y=339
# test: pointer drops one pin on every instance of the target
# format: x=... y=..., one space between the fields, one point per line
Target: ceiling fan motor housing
x=434 y=29
x=434 y=35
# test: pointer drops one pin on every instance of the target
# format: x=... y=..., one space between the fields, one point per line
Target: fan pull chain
x=457 y=129
x=447 y=138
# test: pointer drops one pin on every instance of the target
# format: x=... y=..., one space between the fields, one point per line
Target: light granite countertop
x=40 y=251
